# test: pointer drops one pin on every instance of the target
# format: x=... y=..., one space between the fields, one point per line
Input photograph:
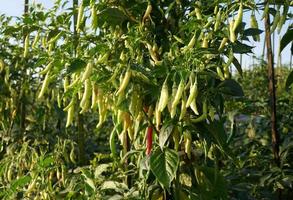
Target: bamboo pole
x=272 y=95
x=26 y=6
x=75 y=34
x=272 y=91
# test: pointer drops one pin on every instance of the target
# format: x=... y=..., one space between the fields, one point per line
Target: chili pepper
x=70 y=115
x=163 y=97
x=157 y=117
x=85 y=101
x=203 y=116
x=218 y=20
x=147 y=12
x=94 y=96
x=254 y=24
x=26 y=46
x=79 y=16
x=276 y=21
x=87 y=72
x=193 y=92
x=37 y=37
x=238 y=20
x=94 y=23
x=113 y=143
x=183 y=108
x=44 y=85
x=124 y=82
x=283 y=17
x=178 y=94
x=47 y=68
x=220 y=73
x=187 y=139
x=232 y=32
x=149 y=140
x=205 y=42
x=223 y=43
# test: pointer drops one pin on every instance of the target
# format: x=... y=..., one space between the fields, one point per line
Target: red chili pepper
x=149 y=140
x=146 y=108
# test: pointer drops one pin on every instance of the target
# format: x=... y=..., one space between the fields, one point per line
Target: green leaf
x=216 y=129
x=91 y=183
x=164 y=165
x=88 y=179
x=165 y=132
x=241 y=48
x=238 y=66
x=215 y=184
x=111 y=16
x=252 y=32
x=41 y=61
x=76 y=65
x=231 y=87
x=52 y=34
x=286 y=39
x=44 y=163
x=21 y=182
x=289 y=81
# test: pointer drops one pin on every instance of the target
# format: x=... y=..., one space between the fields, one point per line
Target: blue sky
x=15 y=8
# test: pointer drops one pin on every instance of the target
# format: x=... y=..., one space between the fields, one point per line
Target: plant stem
x=272 y=91
x=272 y=97
x=264 y=49
x=75 y=35
x=22 y=98
x=81 y=140
x=126 y=149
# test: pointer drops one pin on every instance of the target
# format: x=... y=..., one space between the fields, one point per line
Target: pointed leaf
x=52 y=34
x=237 y=65
x=286 y=39
x=111 y=16
x=289 y=81
x=216 y=129
x=241 y=48
x=76 y=65
x=164 y=165
x=252 y=32
x=217 y=186
x=231 y=87
x=91 y=183
x=21 y=182
x=46 y=162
